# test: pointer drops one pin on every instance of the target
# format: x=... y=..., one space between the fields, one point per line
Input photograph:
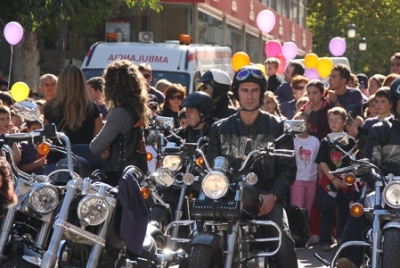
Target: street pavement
x=306 y=257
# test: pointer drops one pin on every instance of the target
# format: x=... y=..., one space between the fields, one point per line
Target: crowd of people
x=108 y=116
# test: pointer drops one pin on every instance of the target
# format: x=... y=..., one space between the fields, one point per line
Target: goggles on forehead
x=245 y=73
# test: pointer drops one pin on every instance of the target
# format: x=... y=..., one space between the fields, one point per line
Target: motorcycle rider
x=383 y=149
x=199 y=110
x=217 y=83
x=250 y=129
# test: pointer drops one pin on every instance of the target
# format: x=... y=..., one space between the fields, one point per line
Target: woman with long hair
x=72 y=111
x=174 y=96
x=121 y=140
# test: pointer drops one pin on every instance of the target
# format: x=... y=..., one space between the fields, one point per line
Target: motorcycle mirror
x=338 y=138
x=166 y=123
x=294 y=127
x=27 y=110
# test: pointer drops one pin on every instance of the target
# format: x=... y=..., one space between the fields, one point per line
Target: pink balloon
x=337 y=46
x=273 y=48
x=289 y=50
x=13 y=32
x=282 y=65
x=311 y=73
x=266 y=21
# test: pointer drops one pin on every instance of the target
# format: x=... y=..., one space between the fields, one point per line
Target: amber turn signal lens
x=43 y=148
x=149 y=156
x=356 y=210
x=350 y=179
x=199 y=161
x=145 y=192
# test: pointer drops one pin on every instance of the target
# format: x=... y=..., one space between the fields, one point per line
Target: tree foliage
x=376 y=20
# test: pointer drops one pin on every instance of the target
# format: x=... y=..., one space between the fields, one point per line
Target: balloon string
x=9 y=72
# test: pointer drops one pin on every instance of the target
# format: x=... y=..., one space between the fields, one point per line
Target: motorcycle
x=25 y=227
x=171 y=195
x=226 y=231
x=380 y=206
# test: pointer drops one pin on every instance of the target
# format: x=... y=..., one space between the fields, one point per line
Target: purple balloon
x=13 y=32
x=289 y=50
x=311 y=73
x=266 y=21
x=272 y=48
x=337 y=46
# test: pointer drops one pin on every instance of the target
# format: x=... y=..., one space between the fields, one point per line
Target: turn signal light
x=149 y=156
x=356 y=210
x=145 y=192
x=199 y=161
x=349 y=179
x=43 y=148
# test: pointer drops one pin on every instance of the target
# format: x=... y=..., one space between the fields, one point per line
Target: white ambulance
x=177 y=63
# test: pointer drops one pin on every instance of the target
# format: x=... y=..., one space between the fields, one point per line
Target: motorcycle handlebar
x=48 y=131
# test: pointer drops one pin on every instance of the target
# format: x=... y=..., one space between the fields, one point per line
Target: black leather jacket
x=222 y=109
x=232 y=139
x=383 y=146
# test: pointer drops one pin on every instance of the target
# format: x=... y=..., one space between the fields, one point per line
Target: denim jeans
x=286 y=255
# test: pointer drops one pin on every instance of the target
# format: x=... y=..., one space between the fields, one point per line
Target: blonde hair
x=73 y=96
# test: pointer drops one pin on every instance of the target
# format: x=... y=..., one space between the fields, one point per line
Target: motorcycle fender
x=209 y=239
x=392 y=224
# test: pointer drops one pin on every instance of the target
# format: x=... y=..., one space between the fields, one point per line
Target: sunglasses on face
x=147 y=76
x=245 y=73
x=299 y=87
x=205 y=87
x=176 y=97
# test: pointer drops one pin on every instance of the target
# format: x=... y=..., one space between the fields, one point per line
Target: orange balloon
x=240 y=59
x=311 y=60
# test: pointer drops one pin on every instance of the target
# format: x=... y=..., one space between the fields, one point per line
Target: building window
x=253 y=48
x=210 y=30
x=234 y=39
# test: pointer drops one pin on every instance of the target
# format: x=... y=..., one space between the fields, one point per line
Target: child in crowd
x=6 y=127
x=8 y=198
x=182 y=118
x=301 y=102
x=332 y=191
x=370 y=110
x=306 y=149
x=383 y=107
x=271 y=67
x=31 y=161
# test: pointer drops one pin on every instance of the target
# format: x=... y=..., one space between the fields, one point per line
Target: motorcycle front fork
x=231 y=243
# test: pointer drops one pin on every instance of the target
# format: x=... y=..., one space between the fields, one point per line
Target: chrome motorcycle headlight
x=93 y=209
x=391 y=194
x=172 y=162
x=215 y=184
x=43 y=198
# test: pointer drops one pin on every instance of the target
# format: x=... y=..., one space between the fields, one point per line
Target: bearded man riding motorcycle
x=383 y=149
x=250 y=129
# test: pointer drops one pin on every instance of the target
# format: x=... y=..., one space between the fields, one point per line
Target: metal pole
x=352 y=56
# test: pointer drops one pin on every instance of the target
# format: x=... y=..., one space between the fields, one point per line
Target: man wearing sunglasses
x=146 y=71
x=217 y=83
x=250 y=129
